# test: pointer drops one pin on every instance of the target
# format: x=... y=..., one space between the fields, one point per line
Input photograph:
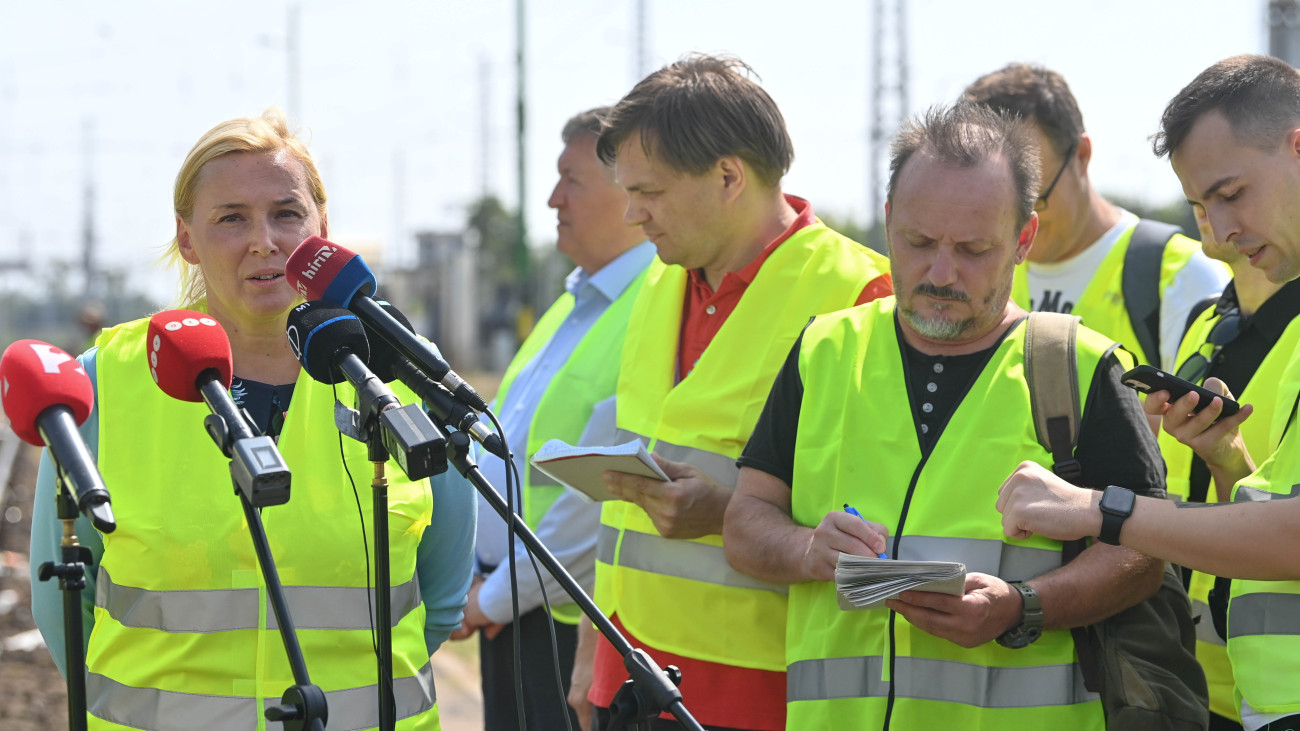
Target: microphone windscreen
x=321 y=270
x=318 y=331
x=382 y=355
x=35 y=376
x=182 y=344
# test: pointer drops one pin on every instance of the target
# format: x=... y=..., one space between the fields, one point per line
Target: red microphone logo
x=35 y=375
x=312 y=267
x=52 y=359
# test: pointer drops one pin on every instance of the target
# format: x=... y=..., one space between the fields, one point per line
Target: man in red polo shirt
x=701 y=150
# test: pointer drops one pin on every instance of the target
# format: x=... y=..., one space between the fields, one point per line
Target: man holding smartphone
x=1233 y=136
x=1245 y=340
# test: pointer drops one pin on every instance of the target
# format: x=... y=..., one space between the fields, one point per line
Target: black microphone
x=47 y=395
x=447 y=408
x=331 y=344
x=322 y=270
x=388 y=364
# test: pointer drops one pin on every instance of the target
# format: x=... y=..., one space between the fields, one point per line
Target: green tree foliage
x=497 y=229
x=873 y=235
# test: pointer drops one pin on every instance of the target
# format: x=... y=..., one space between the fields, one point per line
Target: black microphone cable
x=512 y=476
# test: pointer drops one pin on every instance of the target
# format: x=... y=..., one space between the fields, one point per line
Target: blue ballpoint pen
x=854 y=511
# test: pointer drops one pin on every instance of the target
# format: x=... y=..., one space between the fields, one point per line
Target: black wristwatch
x=1116 y=506
x=1031 y=619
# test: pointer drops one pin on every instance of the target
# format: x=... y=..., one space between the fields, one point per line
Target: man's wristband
x=1031 y=619
x=1116 y=506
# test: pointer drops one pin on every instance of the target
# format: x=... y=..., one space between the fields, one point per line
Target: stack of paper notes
x=866 y=582
x=581 y=468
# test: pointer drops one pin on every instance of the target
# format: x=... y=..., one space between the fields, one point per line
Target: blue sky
x=393 y=104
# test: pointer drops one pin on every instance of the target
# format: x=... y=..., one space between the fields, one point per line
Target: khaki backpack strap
x=1052 y=373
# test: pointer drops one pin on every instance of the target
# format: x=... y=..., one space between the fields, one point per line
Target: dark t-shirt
x=1116 y=446
x=265 y=403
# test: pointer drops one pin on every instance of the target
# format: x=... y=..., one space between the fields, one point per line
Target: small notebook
x=866 y=582
x=581 y=467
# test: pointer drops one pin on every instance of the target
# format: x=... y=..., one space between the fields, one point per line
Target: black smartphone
x=1149 y=379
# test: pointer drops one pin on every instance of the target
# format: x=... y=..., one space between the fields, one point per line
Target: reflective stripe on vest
x=354 y=708
x=704 y=609
x=720 y=467
x=686 y=560
x=937 y=680
x=854 y=374
x=606 y=544
x=982 y=555
x=1264 y=614
x=220 y=610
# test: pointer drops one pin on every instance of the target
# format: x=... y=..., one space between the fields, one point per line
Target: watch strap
x=1031 y=616
x=1030 y=627
x=1112 y=521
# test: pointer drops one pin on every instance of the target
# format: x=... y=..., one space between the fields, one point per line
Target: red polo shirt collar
x=705 y=310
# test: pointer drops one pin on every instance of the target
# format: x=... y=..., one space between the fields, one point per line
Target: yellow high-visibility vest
x=1264 y=616
x=857 y=443
x=1101 y=306
x=183 y=626
x=681 y=596
x=1271 y=397
x=588 y=377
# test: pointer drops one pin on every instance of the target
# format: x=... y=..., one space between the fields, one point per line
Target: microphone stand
x=72 y=579
x=256 y=469
x=650 y=690
x=383 y=582
x=388 y=430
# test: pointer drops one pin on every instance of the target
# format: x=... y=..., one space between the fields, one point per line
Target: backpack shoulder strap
x=1141 y=283
x=1052 y=373
x=1053 y=376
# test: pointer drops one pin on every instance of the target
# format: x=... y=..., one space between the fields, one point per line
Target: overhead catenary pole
x=485 y=123
x=888 y=98
x=1284 y=30
x=293 y=75
x=642 y=52
x=521 y=150
x=90 y=278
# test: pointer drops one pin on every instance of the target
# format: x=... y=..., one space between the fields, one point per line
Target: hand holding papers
x=581 y=467
x=866 y=582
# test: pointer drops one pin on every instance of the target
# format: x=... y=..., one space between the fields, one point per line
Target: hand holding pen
x=854 y=511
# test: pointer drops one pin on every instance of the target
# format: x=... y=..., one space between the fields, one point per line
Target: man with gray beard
x=913 y=410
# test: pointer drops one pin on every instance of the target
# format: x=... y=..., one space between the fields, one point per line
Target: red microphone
x=321 y=270
x=47 y=395
x=189 y=359
x=183 y=346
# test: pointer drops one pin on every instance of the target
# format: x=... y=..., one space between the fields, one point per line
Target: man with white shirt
x=567 y=365
x=1136 y=281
